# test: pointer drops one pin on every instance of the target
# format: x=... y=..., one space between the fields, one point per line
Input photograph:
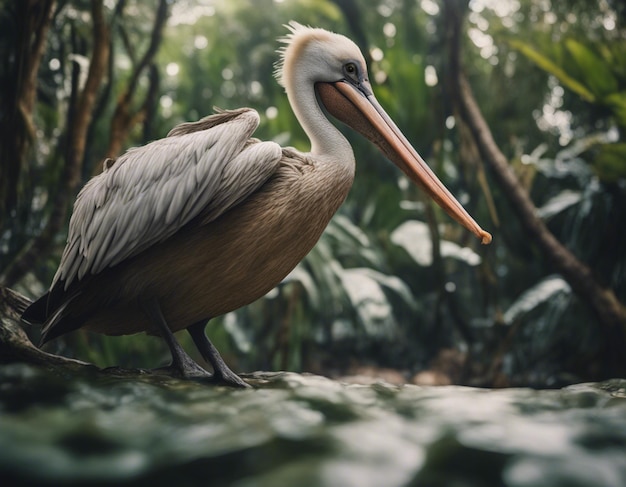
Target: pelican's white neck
x=326 y=140
x=306 y=60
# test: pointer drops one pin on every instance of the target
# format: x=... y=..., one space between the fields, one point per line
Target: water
x=305 y=430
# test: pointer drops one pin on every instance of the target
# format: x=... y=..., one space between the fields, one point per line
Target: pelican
x=208 y=219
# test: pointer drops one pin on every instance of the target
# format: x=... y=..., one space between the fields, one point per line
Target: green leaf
x=393 y=283
x=610 y=163
x=533 y=297
x=238 y=332
x=559 y=203
x=617 y=103
x=369 y=300
x=597 y=73
x=414 y=237
x=305 y=279
x=548 y=65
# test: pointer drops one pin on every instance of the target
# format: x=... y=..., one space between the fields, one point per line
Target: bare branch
x=124 y=118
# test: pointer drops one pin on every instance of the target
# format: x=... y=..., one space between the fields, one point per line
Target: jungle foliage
x=393 y=282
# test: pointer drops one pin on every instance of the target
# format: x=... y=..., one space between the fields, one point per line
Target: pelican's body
x=208 y=219
x=212 y=266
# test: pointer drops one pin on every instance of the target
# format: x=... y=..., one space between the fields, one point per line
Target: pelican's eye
x=351 y=70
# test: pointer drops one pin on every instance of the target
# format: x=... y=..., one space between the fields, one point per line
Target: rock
x=297 y=429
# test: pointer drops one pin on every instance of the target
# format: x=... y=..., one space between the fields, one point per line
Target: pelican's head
x=322 y=55
x=335 y=67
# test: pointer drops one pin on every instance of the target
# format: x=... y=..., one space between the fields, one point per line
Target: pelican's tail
x=55 y=322
x=36 y=313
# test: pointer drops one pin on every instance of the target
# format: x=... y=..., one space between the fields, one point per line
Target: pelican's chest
x=312 y=188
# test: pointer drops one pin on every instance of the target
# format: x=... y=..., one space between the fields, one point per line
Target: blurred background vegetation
x=393 y=286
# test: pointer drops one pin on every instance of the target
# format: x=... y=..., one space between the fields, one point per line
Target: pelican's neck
x=327 y=141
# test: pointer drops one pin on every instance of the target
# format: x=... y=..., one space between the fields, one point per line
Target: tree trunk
x=32 y=21
x=610 y=312
x=80 y=119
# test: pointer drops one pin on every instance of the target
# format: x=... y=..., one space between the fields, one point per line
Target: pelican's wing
x=152 y=191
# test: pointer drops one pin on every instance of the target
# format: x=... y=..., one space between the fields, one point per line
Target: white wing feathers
x=152 y=191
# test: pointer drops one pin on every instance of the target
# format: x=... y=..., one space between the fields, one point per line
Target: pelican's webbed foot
x=185 y=367
x=221 y=372
x=182 y=365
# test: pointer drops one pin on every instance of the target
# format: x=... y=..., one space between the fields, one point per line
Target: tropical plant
x=596 y=72
x=579 y=192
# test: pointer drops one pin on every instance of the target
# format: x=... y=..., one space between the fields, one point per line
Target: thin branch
x=150 y=103
x=124 y=117
x=578 y=275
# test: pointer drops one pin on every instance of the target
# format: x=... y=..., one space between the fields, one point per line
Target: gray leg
x=182 y=364
x=221 y=373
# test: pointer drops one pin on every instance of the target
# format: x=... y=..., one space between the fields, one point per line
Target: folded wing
x=150 y=192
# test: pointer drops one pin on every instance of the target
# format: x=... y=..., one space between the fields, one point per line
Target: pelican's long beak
x=358 y=108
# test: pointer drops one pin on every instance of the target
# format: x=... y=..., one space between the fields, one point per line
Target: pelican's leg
x=182 y=364
x=221 y=372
